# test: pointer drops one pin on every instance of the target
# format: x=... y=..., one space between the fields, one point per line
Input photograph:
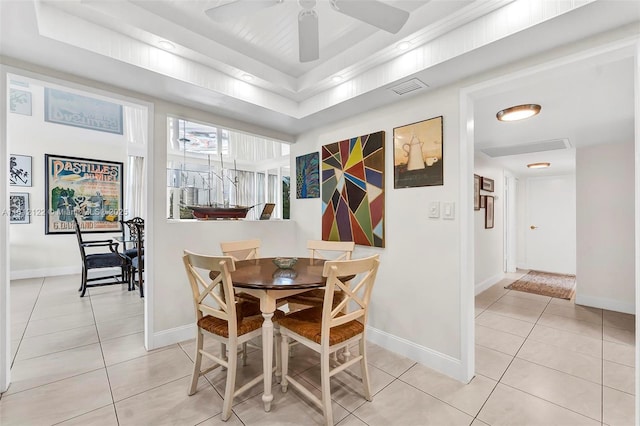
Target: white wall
x=173 y=317
x=33 y=253
x=418 y=275
x=605 y=227
x=489 y=243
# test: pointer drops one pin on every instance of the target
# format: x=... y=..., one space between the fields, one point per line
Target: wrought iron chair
x=104 y=259
x=135 y=255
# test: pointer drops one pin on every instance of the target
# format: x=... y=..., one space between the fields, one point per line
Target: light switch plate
x=449 y=210
x=434 y=209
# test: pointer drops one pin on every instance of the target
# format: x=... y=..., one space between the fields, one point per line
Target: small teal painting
x=308 y=176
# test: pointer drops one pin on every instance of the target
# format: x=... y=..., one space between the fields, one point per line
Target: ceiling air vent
x=527 y=148
x=408 y=86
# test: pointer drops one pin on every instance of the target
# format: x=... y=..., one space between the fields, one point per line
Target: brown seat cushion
x=315 y=297
x=308 y=323
x=246 y=324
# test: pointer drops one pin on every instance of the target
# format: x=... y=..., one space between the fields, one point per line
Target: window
x=213 y=166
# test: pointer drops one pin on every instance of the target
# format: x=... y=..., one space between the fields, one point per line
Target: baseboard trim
x=45 y=272
x=172 y=336
x=54 y=272
x=482 y=286
x=435 y=360
x=608 y=304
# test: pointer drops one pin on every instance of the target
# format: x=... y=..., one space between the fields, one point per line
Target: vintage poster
x=75 y=110
x=90 y=190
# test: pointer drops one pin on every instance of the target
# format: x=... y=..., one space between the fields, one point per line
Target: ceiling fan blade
x=308 y=38
x=373 y=12
x=238 y=9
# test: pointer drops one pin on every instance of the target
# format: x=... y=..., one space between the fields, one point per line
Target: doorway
x=469 y=123
x=51 y=140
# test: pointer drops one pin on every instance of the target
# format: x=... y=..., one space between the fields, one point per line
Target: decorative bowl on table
x=285 y=262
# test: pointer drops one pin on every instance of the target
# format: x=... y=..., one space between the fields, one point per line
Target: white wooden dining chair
x=223 y=318
x=241 y=250
x=318 y=249
x=329 y=328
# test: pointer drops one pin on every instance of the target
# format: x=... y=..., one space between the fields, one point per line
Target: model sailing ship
x=212 y=210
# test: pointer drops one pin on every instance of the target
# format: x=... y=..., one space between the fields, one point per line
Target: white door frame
x=5 y=303
x=625 y=48
x=510 y=222
x=5 y=320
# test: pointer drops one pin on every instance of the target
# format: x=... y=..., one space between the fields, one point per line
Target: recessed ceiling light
x=336 y=78
x=247 y=77
x=166 y=45
x=404 y=45
x=538 y=165
x=518 y=112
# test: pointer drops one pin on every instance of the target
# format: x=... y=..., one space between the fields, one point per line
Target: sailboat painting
x=353 y=190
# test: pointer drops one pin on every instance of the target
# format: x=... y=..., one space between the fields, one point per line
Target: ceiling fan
x=373 y=12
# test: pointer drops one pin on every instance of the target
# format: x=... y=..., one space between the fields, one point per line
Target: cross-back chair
x=242 y=250
x=223 y=318
x=331 y=327
x=330 y=250
x=104 y=259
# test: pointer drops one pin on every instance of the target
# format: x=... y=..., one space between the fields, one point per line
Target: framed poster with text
x=90 y=190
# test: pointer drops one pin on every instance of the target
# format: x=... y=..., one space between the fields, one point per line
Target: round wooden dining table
x=263 y=279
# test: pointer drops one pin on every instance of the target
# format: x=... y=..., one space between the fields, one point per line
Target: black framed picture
x=488 y=212
x=476 y=192
x=418 y=154
x=90 y=190
x=19 y=207
x=19 y=170
x=487 y=184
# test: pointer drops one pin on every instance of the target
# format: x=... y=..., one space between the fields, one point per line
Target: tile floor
x=539 y=361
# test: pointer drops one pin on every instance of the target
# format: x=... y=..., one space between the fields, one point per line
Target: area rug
x=562 y=286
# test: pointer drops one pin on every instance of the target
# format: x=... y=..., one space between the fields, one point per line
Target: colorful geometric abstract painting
x=308 y=176
x=353 y=190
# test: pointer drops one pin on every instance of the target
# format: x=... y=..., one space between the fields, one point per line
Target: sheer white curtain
x=134 y=198
x=135 y=130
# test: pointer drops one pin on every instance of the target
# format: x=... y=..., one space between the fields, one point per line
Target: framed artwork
x=488 y=212
x=476 y=192
x=417 y=154
x=353 y=190
x=20 y=101
x=487 y=184
x=90 y=190
x=19 y=207
x=308 y=176
x=19 y=170
x=483 y=201
x=81 y=111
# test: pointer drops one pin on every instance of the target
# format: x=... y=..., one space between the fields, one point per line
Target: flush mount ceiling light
x=166 y=45
x=518 y=112
x=403 y=45
x=336 y=78
x=538 y=165
x=247 y=77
